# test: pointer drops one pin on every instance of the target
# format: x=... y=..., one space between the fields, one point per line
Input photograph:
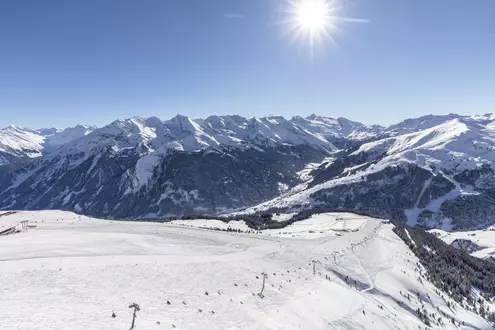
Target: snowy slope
x=21 y=142
x=63 y=136
x=24 y=143
x=447 y=168
x=456 y=144
x=340 y=128
x=72 y=272
x=483 y=239
x=412 y=125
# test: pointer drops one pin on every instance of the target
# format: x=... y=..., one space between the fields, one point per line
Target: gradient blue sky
x=92 y=61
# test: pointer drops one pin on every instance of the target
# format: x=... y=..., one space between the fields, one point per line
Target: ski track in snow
x=412 y=214
x=436 y=204
x=71 y=272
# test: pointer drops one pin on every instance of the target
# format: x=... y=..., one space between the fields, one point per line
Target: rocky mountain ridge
x=433 y=171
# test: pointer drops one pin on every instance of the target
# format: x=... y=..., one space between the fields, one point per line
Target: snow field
x=485 y=239
x=71 y=272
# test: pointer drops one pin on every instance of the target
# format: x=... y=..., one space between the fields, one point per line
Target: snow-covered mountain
x=440 y=175
x=184 y=133
x=18 y=144
x=434 y=171
x=145 y=167
x=412 y=125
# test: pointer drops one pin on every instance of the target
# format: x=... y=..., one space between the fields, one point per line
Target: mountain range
x=432 y=171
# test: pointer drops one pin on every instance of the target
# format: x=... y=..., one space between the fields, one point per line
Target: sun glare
x=314 y=21
x=312 y=15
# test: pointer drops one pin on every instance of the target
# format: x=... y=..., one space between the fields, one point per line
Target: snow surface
x=321 y=225
x=485 y=239
x=305 y=173
x=212 y=224
x=144 y=169
x=280 y=217
x=71 y=272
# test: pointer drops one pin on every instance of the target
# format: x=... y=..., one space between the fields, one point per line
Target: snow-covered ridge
x=444 y=147
x=459 y=143
x=16 y=140
x=184 y=133
x=27 y=143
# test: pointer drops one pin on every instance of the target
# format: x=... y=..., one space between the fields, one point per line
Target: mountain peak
x=16 y=128
x=181 y=124
x=179 y=118
x=153 y=121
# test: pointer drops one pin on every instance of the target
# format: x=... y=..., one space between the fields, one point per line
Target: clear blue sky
x=92 y=61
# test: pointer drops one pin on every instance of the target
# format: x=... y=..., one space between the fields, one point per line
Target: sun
x=312 y=15
x=312 y=22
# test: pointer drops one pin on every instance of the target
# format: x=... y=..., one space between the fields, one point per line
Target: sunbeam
x=312 y=22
